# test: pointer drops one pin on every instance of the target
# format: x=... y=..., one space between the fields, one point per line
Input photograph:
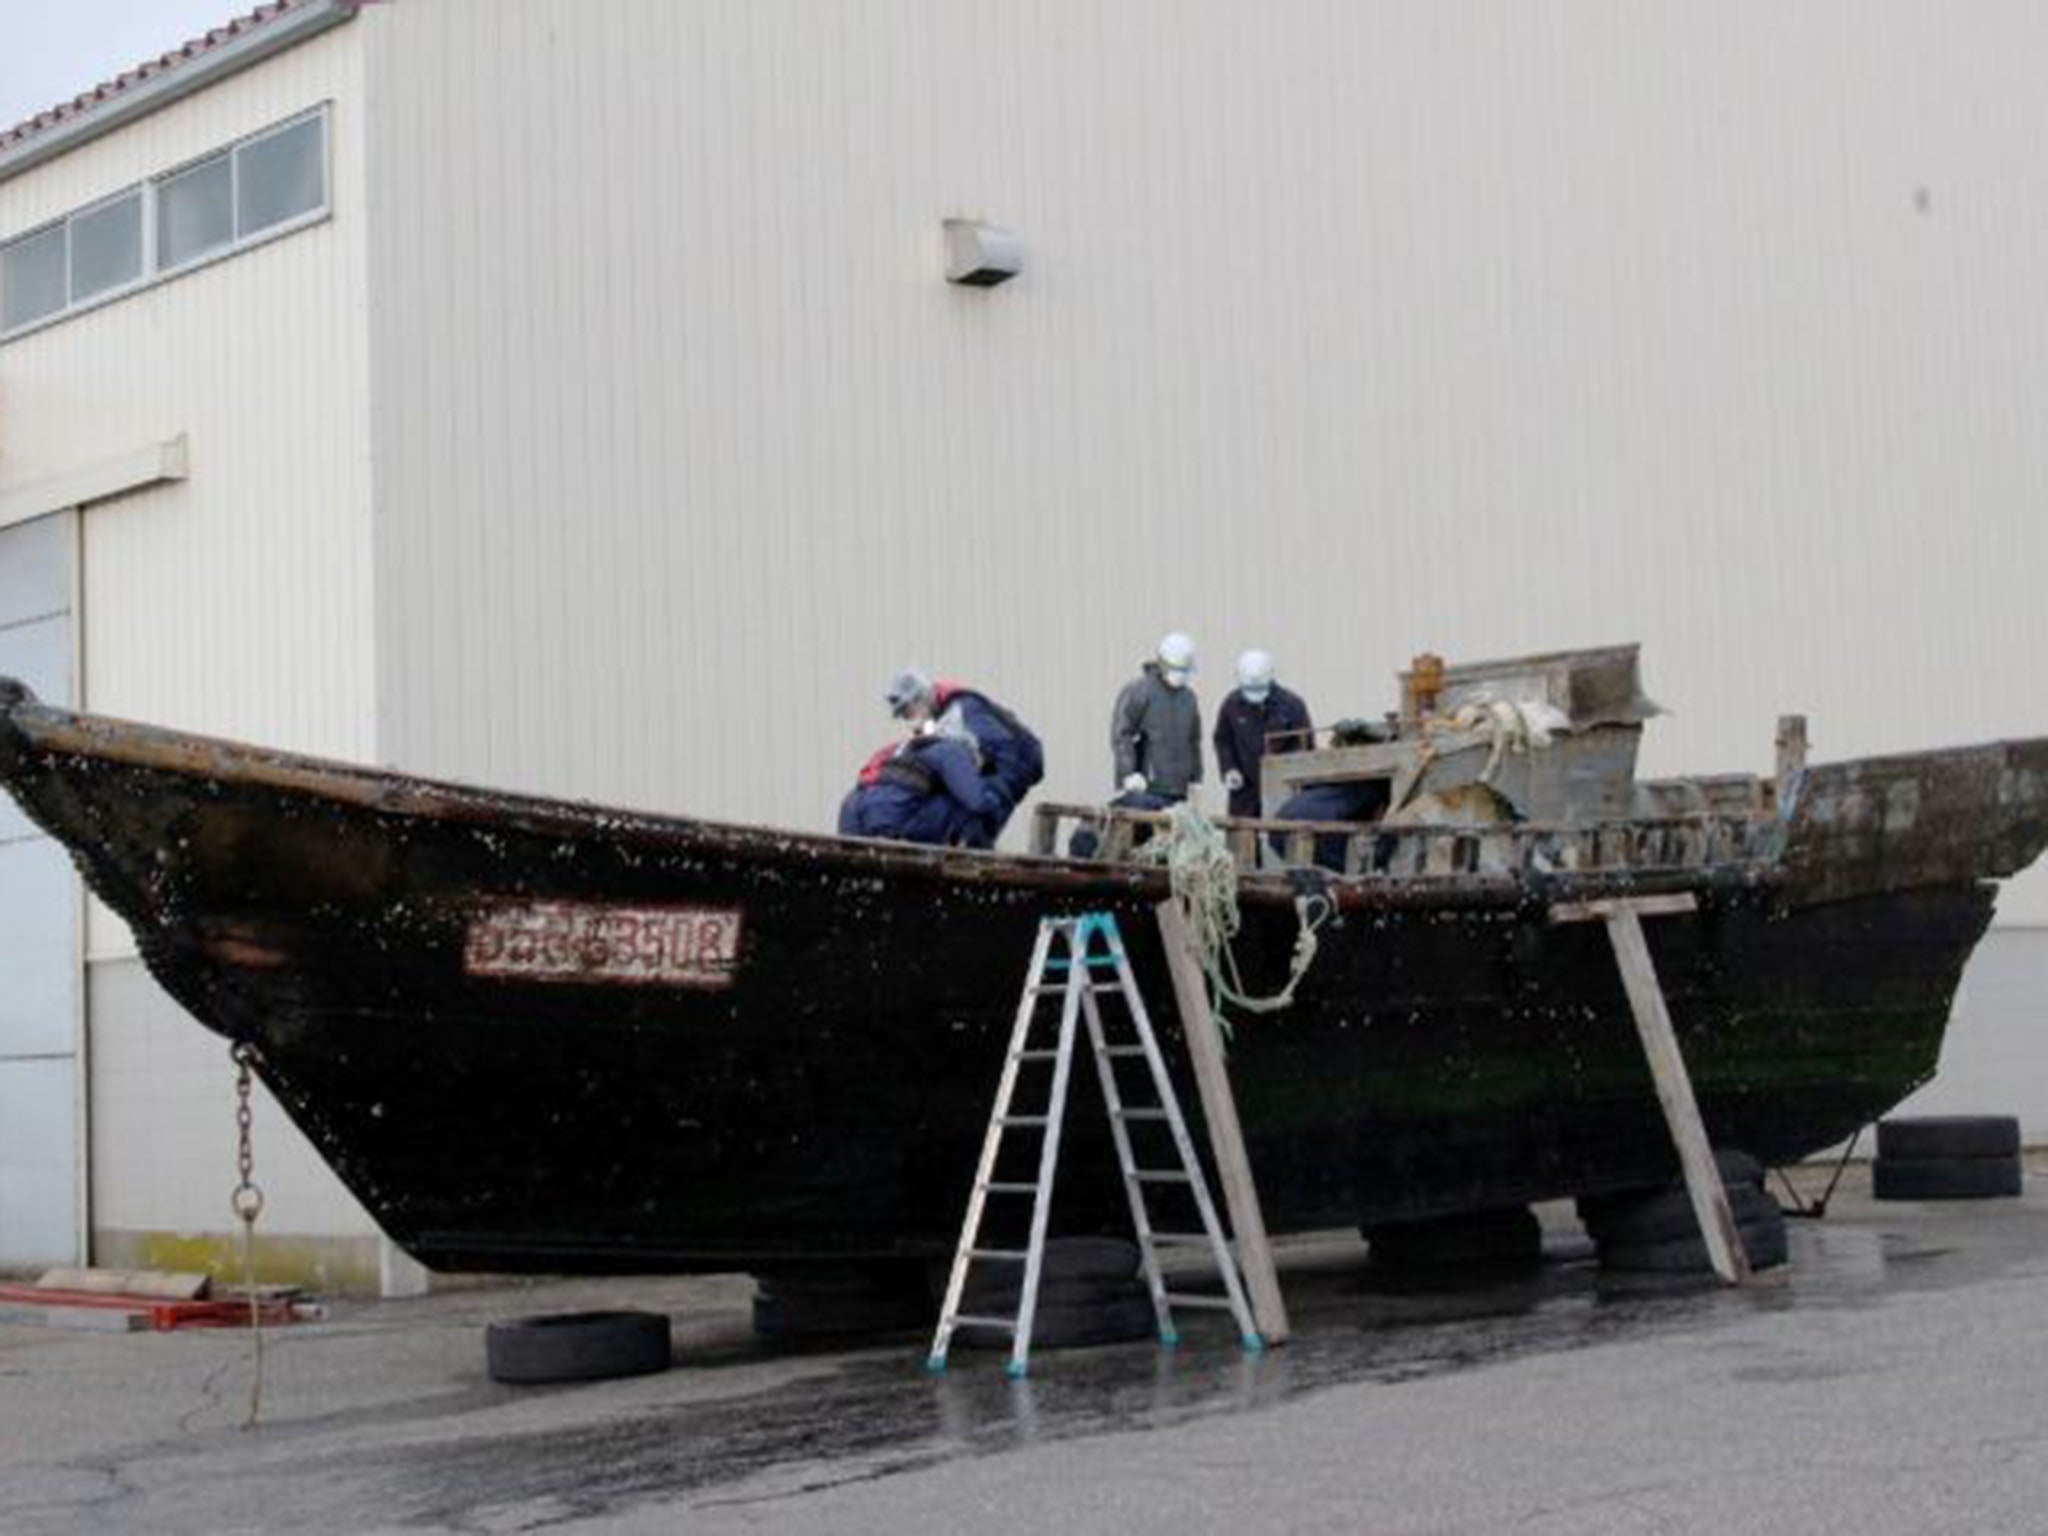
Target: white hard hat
x=1177 y=653
x=1255 y=671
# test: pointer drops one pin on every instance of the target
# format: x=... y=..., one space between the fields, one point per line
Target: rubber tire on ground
x=1668 y=1215
x=1005 y=1297
x=1945 y=1178
x=1764 y=1241
x=1949 y=1136
x=1736 y=1168
x=1511 y=1235
x=1106 y=1259
x=1070 y=1326
x=577 y=1346
x=854 y=1277
x=1001 y=1297
x=1090 y=1266
x=798 y=1315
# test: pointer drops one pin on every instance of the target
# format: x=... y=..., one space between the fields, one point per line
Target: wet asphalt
x=1890 y=1380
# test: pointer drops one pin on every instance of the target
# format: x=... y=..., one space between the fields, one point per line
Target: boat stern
x=1882 y=824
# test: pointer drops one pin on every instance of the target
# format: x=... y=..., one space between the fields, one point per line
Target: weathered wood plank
x=1226 y=1136
x=1791 y=755
x=1644 y=906
x=1674 y=1092
x=156 y=1284
x=1045 y=830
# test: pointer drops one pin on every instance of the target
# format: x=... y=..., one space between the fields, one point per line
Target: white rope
x=1517 y=727
x=1203 y=874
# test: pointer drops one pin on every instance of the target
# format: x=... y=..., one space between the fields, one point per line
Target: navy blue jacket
x=1013 y=759
x=1361 y=800
x=931 y=791
x=1241 y=731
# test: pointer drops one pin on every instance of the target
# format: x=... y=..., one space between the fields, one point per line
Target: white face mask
x=1259 y=695
x=1174 y=677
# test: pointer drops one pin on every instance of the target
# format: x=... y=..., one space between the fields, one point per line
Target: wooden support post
x=1045 y=830
x=1226 y=1136
x=1667 y=1068
x=1791 y=756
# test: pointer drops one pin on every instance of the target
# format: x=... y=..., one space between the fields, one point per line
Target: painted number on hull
x=578 y=941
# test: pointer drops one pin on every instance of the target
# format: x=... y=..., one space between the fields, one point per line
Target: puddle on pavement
x=880 y=1413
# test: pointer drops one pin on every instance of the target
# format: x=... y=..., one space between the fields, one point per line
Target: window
x=279 y=176
x=32 y=278
x=106 y=246
x=267 y=184
x=195 y=213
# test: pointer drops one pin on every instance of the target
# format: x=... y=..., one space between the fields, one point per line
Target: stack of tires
x=827 y=1300
x=1947 y=1157
x=1442 y=1247
x=1089 y=1292
x=1657 y=1232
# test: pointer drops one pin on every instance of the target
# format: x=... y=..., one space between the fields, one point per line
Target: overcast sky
x=50 y=50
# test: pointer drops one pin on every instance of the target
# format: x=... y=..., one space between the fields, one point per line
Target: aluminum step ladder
x=1085 y=973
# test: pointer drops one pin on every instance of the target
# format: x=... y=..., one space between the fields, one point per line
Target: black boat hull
x=415 y=967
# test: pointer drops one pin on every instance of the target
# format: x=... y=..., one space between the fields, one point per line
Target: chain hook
x=247 y=1198
x=247 y=1204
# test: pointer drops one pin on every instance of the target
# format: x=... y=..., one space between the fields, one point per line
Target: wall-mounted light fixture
x=981 y=255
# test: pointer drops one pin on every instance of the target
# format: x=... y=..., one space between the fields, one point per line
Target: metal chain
x=247 y=1203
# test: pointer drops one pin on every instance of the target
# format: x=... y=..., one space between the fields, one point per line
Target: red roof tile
x=149 y=69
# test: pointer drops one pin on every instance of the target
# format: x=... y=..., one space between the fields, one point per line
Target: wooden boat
x=536 y=1035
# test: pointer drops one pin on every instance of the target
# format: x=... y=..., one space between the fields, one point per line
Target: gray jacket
x=1157 y=731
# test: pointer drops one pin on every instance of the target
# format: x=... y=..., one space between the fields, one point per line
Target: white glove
x=1233 y=780
x=1134 y=783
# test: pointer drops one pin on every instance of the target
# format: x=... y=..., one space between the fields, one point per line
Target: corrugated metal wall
x=40 y=1187
x=239 y=600
x=1347 y=330
x=236 y=601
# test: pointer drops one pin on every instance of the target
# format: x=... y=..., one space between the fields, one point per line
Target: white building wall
x=236 y=601
x=1347 y=330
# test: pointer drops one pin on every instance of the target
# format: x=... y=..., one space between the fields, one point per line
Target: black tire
x=1668 y=1215
x=1496 y=1237
x=1738 y=1170
x=577 y=1346
x=821 y=1300
x=1764 y=1241
x=780 y=1315
x=1107 y=1259
x=1949 y=1136
x=1000 y=1296
x=873 y=1277
x=1069 y=1326
x=1078 y=1268
x=1945 y=1178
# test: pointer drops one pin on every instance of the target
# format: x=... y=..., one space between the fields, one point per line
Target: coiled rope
x=1203 y=874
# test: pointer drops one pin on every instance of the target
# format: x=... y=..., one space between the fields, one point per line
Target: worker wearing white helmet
x=1155 y=732
x=1256 y=717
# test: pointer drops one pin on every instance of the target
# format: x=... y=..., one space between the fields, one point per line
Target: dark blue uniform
x=931 y=791
x=1241 y=731
x=1013 y=760
x=1357 y=801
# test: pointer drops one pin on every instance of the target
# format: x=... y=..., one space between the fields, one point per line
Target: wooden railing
x=1698 y=840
